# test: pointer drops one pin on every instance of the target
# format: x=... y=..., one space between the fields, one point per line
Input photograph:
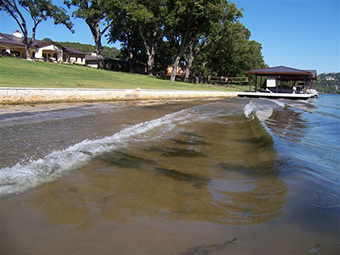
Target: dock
x=281 y=82
x=276 y=95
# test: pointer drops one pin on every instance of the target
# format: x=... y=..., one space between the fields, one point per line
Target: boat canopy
x=285 y=73
x=282 y=79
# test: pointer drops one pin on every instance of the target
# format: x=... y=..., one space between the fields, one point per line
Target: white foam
x=263 y=112
x=249 y=109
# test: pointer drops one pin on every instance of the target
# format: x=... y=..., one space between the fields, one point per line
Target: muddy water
x=236 y=176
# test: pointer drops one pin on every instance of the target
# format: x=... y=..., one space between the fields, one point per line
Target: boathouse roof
x=284 y=71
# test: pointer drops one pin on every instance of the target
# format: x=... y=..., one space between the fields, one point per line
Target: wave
x=262 y=108
x=249 y=109
x=24 y=176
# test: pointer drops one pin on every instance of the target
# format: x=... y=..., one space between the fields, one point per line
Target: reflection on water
x=287 y=124
x=221 y=170
x=177 y=152
x=208 y=249
x=196 y=179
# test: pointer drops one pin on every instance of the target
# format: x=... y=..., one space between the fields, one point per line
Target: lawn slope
x=23 y=73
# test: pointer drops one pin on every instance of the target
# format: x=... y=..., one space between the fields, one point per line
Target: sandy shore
x=48 y=95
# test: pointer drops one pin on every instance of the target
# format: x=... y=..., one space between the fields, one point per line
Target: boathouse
x=281 y=81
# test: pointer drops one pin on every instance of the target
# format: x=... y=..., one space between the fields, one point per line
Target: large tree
x=126 y=32
x=95 y=13
x=235 y=52
x=190 y=22
x=211 y=34
x=148 y=18
x=38 y=10
x=230 y=55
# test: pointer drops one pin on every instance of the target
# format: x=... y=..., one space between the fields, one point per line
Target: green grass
x=23 y=73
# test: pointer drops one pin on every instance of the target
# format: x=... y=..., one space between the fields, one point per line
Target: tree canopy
x=200 y=37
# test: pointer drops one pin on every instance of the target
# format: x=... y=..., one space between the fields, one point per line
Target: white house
x=49 y=50
x=329 y=78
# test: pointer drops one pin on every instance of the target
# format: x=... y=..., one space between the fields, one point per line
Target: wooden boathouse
x=282 y=81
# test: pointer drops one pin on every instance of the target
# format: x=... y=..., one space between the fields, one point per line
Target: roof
x=89 y=57
x=73 y=50
x=41 y=44
x=315 y=75
x=284 y=71
x=11 y=39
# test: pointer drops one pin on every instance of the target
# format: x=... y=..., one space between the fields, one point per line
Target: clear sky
x=304 y=34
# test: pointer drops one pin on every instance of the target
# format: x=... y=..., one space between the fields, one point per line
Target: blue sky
x=303 y=34
x=296 y=33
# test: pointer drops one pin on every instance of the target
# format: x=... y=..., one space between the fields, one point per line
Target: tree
x=46 y=39
x=148 y=17
x=215 y=30
x=95 y=12
x=126 y=31
x=234 y=52
x=38 y=10
x=189 y=24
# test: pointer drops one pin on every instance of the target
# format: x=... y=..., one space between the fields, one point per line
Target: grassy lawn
x=23 y=73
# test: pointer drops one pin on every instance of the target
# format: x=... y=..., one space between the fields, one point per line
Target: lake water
x=236 y=176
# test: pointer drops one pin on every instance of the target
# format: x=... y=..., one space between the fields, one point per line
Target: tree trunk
x=176 y=63
x=99 y=52
x=180 y=54
x=94 y=26
x=174 y=70
x=189 y=65
x=151 y=59
x=130 y=60
x=150 y=50
x=193 y=51
x=27 y=47
x=27 y=52
x=188 y=68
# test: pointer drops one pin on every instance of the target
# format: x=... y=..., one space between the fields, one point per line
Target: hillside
x=328 y=83
x=107 y=51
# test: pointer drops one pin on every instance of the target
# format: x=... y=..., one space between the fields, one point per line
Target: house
x=45 y=50
x=329 y=78
x=91 y=60
x=73 y=55
x=115 y=64
x=169 y=70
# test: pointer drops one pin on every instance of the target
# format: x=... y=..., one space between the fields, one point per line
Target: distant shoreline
x=56 y=95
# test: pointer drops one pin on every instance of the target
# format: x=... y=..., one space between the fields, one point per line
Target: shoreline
x=58 y=95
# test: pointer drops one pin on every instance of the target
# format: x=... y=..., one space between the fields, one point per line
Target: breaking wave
x=262 y=109
x=24 y=176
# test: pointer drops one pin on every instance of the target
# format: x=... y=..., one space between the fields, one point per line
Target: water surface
x=235 y=176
